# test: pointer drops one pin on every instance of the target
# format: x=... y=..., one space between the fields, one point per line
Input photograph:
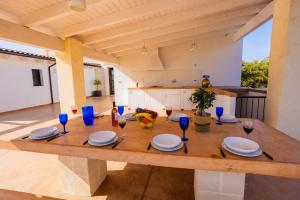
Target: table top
x=203 y=148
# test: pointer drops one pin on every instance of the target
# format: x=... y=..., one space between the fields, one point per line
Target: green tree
x=255 y=74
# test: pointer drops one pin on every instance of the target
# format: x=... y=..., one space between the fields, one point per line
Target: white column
x=70 y=76
x=282 y=105
x=213 y=185
x=81 y=176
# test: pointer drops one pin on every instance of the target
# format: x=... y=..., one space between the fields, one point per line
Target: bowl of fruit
x=146 y=118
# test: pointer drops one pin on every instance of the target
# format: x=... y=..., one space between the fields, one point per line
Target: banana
x=143 y=114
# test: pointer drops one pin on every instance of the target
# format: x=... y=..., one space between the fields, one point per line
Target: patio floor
x=37 y=173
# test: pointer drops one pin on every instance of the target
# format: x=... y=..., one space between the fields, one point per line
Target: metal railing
x=250 y=107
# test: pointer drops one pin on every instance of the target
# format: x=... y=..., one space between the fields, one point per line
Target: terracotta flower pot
x=202 y=123
x=97 y=93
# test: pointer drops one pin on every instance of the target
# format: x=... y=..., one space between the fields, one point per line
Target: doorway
x=111 y=81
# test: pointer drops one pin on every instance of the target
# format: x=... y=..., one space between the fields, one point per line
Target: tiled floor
x=37 y=173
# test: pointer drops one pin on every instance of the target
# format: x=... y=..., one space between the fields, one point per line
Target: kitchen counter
x=177 y=97
x=218 y=91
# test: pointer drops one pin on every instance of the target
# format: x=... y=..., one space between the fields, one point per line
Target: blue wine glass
x=63 y=119
x=88 y=115
x=121 y=110
x=184 y=124
x=219 y=113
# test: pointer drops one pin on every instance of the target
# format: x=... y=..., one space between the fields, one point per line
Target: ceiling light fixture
x=144 y=49
x=193 y=46
x=77 y=5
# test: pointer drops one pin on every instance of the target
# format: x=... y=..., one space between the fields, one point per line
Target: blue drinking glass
x=63 y=119
x=88 y=115
x=219 y=113
x=184 y=124
x=121 y=110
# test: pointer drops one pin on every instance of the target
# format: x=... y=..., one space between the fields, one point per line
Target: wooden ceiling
x=121 y=27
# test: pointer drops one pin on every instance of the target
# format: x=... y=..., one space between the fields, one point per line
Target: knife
x=270 y=157
x=149 y=146
x=58 y=135
x=185 y=148
x=117 y=143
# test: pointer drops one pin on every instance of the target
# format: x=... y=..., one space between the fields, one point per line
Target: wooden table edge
x=272 y=168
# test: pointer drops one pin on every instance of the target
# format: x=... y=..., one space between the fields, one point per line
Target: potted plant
x=97 y=92
x=203 y=99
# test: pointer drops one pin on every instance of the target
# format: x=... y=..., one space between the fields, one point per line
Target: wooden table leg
x=218 y=185
x=81 y=176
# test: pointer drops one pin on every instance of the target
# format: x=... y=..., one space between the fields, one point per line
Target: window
x=37 y=77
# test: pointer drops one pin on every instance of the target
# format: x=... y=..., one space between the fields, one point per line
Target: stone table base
x=81 y=176
x=213 y=185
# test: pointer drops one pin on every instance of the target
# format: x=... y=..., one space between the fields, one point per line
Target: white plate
x=43 y=132
x=44 y=137
x=224 y=120
x=167 y=149
x=103 y=144
x=241 y=145
x=228 y=117
x=97 y=114
x=102 y=136
x=253 y=154
x=166 y=140
x=175 y=116
x=130 y=117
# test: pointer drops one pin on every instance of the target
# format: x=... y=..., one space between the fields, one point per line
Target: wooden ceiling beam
x=165 y=20
x=238 y=16
x=20 y=34
x=53 y=12
x=4 y=15
x=123 y=15
x=177 y=35
x=221 y=33
x=9 y=17
x=264 y=15
x=99 y=55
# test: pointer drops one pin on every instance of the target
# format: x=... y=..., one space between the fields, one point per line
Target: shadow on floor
x=20 y=119
x=137 y=182
x=260 y=187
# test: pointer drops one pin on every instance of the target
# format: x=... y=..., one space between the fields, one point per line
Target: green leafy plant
x=203 y=99
x=255 y=74
x=97 y=83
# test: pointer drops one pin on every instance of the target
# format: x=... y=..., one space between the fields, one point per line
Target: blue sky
x=256 y=45
x=20 y=47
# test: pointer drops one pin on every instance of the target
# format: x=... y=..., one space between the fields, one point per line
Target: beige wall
x=220 y=57
x=283 y=110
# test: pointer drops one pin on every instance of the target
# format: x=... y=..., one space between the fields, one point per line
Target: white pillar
x=70 y=76
x=282 y=105
x=81 y=176
x=213 y=185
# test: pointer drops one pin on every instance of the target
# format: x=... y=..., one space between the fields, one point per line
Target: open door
x=111 y=81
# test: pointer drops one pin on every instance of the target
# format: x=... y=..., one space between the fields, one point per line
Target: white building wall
x=219 y=57
x=89 y=77
x=16 y=85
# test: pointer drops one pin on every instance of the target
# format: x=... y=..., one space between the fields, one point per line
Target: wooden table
x=203 y=148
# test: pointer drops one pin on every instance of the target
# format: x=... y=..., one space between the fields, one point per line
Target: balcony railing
x=250 y=107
